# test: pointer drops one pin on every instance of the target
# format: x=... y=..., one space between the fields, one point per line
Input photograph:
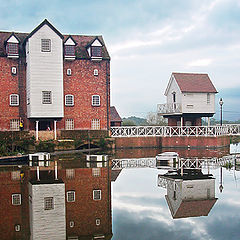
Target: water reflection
x=190 y=193
x=56 y=200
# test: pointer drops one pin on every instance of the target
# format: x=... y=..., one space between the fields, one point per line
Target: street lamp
x=221 y=114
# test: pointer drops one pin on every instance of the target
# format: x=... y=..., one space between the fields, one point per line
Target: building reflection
x=191 y=194
x=56 y=200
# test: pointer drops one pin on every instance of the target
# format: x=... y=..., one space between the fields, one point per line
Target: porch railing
x=168 y=131
x=169 y=108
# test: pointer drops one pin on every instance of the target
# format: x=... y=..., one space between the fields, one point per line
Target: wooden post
x=55 y=130
x=38 y=174
x=37 y=122
x=56 y=173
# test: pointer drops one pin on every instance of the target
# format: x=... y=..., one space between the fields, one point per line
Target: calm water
x=70 y=198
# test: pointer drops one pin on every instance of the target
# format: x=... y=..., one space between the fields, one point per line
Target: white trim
x=95 y=102
x=96 y=43
x=14 y=100
x=12 y=39
x=95 y=72
x=70 y=42
x=70 y=196
x=69 y=71
x=69 y=96
x=16 y=199
x=97 y=191
x=14 y=70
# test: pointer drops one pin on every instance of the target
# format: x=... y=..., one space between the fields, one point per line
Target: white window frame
x=16 y=199
x=45 y=45
x=17 y=228
x=71 y=224
x=46 y=97
x=95 y=124
x=15 y=175
x=14 y=70
x=96 y=100
x=70 y=196
x=69 y=71
x=70 y=173
x=14 y=124
x=95 y=72
x=98 y=221
x=96 y=172
x=69 y=124
x=98 y=192
x=14 y=100
x=48 y=203
x=69 y=102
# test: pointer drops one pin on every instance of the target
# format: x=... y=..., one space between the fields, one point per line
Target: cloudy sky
x=147 y=41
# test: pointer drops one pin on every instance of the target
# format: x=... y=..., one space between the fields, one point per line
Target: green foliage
x=45 y=146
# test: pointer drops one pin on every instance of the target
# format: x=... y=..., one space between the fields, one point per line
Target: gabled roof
x=194 y=208
x=12 y=36
x=69 y=38
x=194 y=82
x=45 y=22
x=114 y=116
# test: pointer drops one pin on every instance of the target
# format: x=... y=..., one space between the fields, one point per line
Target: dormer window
x=12 y=47
x=69 y=49
x=95 y=50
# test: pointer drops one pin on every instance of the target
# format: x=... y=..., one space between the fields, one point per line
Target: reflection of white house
x=190 y=196
x=47 y=209
x=190 y=97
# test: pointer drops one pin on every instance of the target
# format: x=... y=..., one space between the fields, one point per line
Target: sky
x=147 y=41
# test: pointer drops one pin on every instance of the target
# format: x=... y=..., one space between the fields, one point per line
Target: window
x=95 y=124
x=46 y=97
x=95 y=72
x=71 y=196
x=48 y=203
x=14 y=100
x=70 y=173
x=69 y=100
x=15 y=175
x=69 y=124
x=96 y=51
x=46 y=45
x=69 y=72
x=14 y=124
x=71 y=224
x=69 y=50
x=208 y=98
x=14 y=70
x=95 y=100
x=96 y=194
x=16 y=199
x=17 y=227
x=12 y=48
x=96 y=172
x=98 y=221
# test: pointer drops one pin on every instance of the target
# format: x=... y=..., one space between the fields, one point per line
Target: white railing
x=169 y=108
x=167 y=131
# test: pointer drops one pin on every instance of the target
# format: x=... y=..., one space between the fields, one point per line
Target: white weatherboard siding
x=197 y=103
x=173 y=87
x=44 y=73
x=47 y=224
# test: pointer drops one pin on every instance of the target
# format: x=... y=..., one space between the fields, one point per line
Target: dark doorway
x=45 y=125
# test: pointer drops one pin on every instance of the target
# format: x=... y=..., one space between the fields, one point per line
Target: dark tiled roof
x=81 y=40
x=194 y=208
x=114 y=116
x=194 y=82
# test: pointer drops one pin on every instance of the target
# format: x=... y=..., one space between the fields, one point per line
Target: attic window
x=45 y=45
x=96 y=51
x=12 y=49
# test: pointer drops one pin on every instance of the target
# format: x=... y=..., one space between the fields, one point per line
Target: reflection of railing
x=186 y=163
x=167 y=131
x=169 y=108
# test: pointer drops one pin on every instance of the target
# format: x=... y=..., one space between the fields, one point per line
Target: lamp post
x=221 y=114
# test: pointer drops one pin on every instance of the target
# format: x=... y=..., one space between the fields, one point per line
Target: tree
x=155 y=119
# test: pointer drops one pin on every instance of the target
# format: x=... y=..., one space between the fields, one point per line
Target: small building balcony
x=169 y=108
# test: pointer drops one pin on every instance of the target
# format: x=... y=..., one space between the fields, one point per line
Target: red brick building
x=55 y=81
